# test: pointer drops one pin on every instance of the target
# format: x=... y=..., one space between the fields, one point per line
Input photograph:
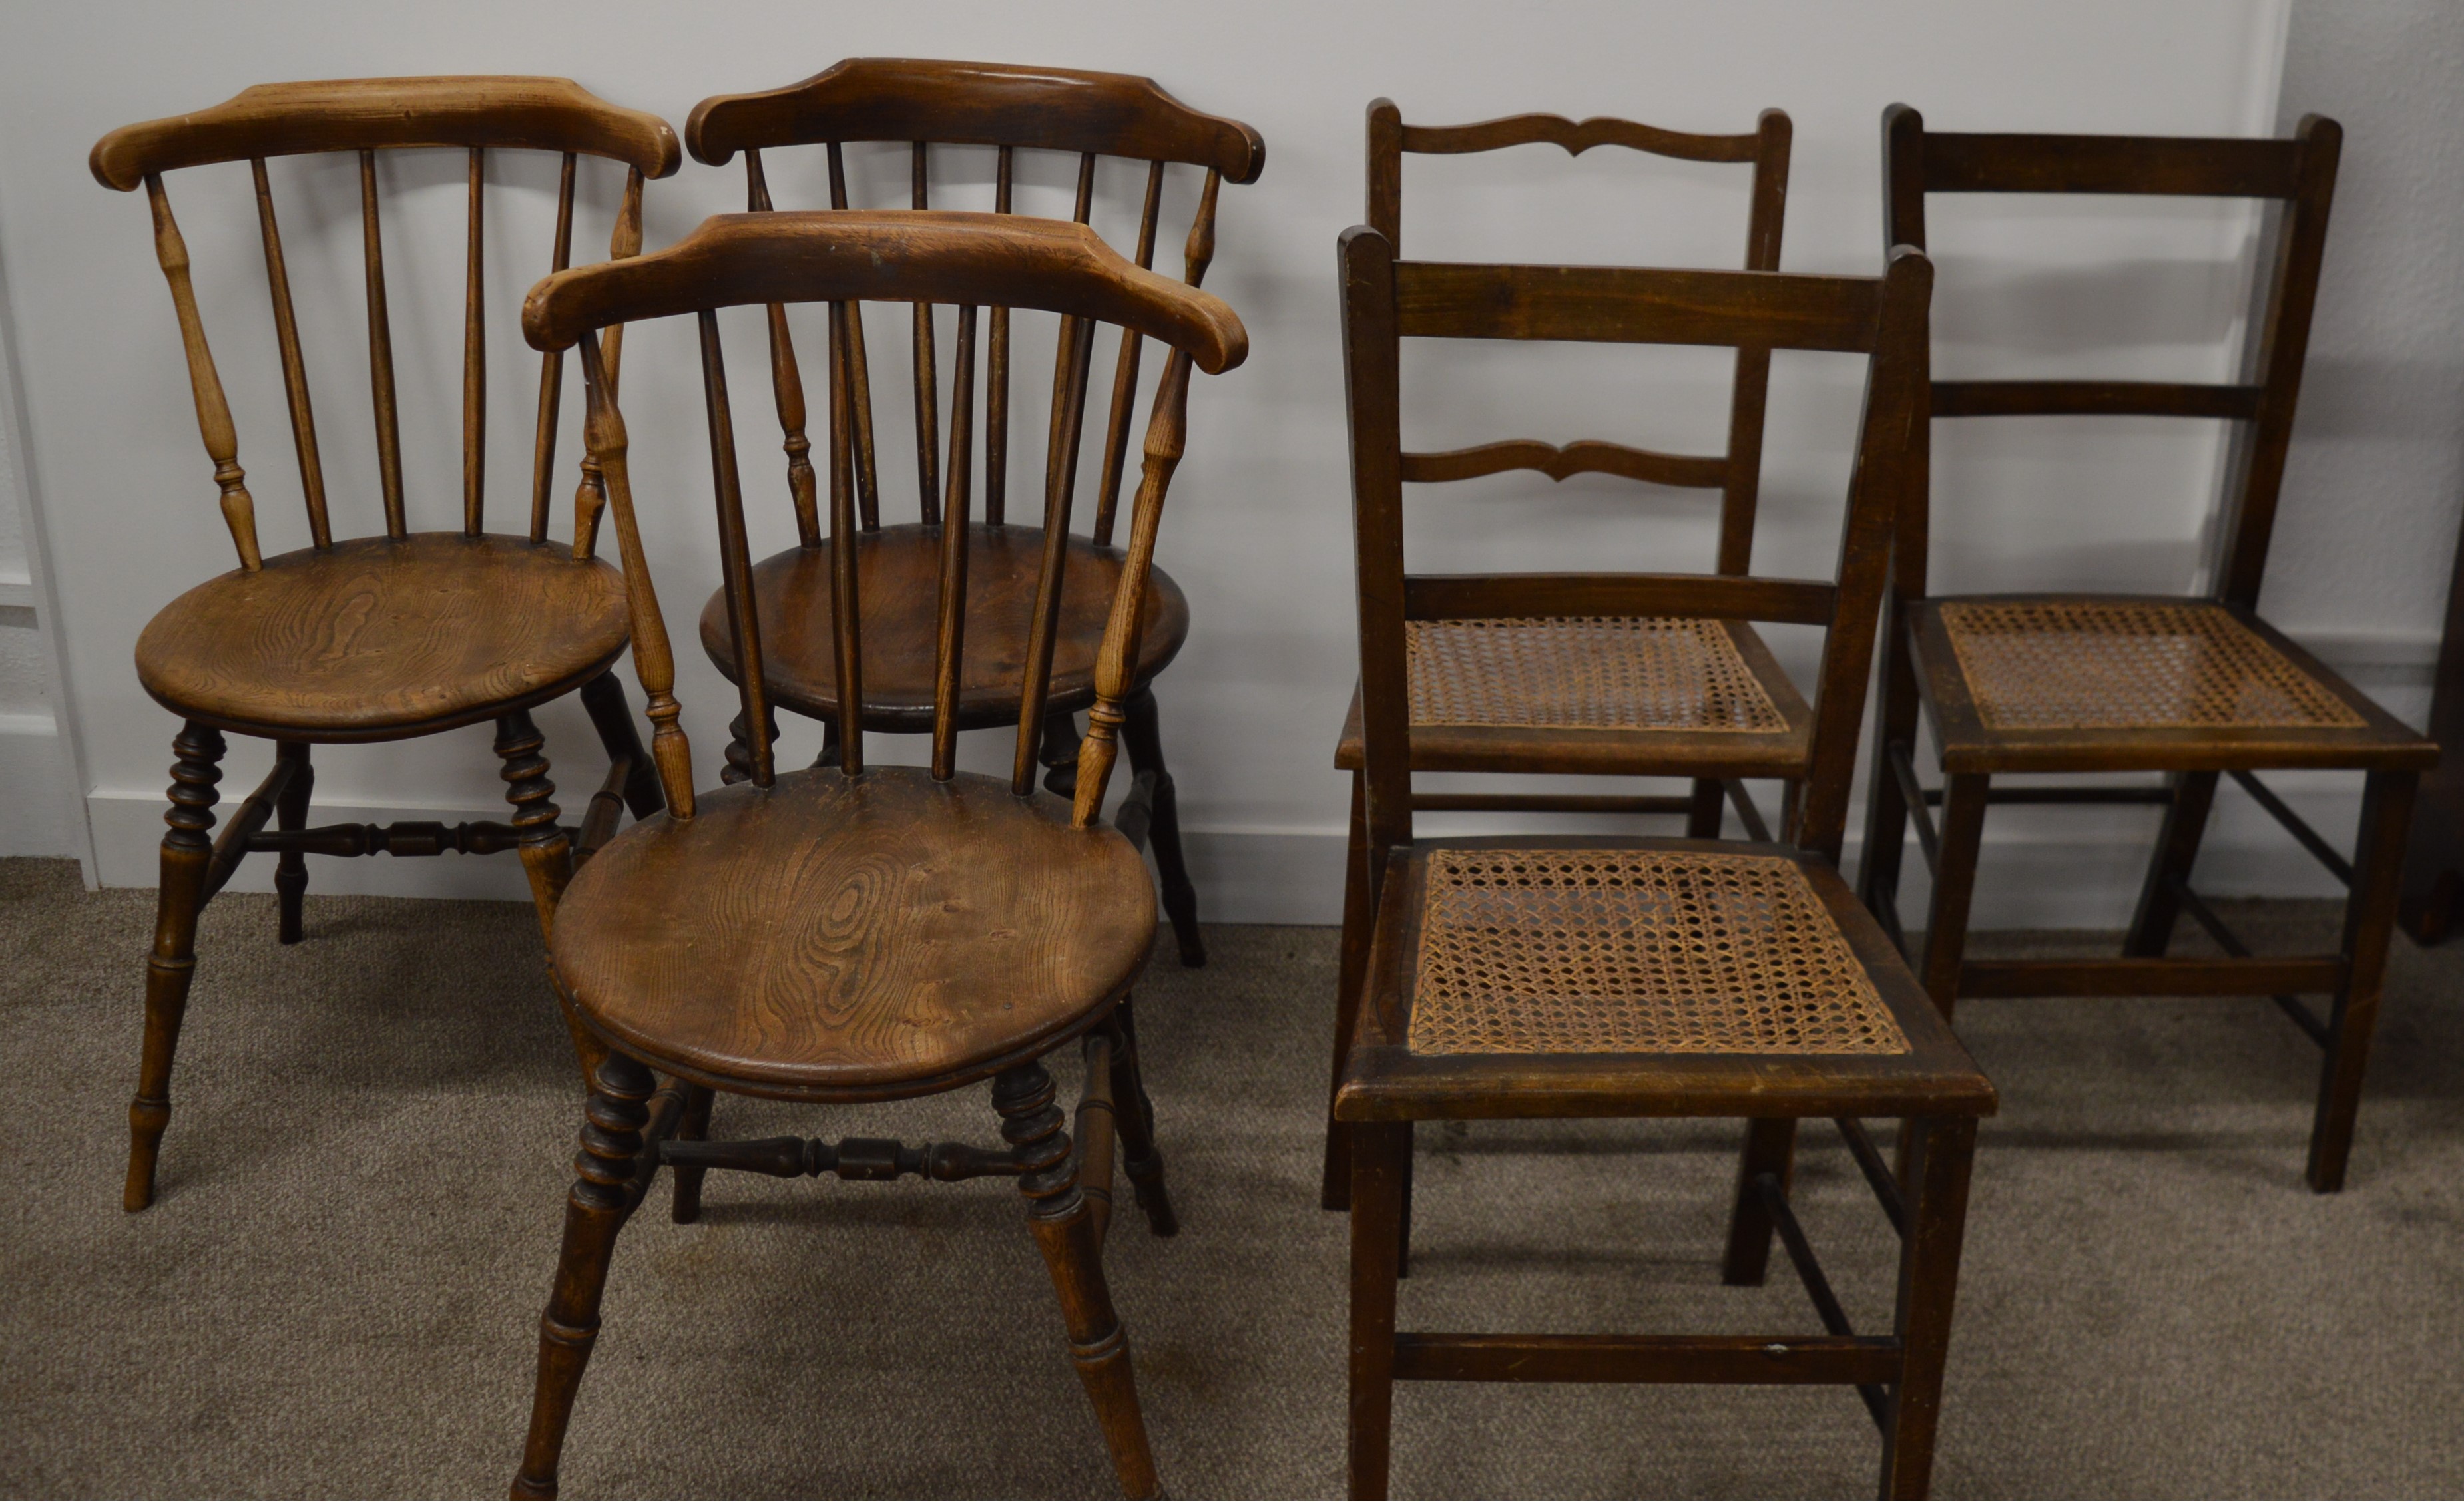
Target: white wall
x=1259 y=533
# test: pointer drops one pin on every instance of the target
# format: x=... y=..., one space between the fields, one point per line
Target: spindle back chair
x=842 y=933
x=2190 y=687
x=925 y=103
x=384 y=638
x=1564 y=977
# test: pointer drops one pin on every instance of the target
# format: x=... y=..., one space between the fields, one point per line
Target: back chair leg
x=595 y=1213
x=738 y=767
x=1359 y=924
x=187 y=852
x=1380 y=1152
x=1710 y=804
x=547 y=856
x=1770 y=1149
x=291 y=813
x=2369 y=922
x=2177 y=850
x=1142 y=737
x=1134 y=1113
x=1059 y=753
x=1887 y=810
x=1938 y=1168
x=603 y=697
x=1064 y=1230
x=685 y=1207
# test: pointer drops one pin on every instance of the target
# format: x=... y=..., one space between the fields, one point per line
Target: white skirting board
x=34 y=776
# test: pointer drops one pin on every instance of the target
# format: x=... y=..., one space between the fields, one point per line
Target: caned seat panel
x=898 y=589
x=2039 y=682
x=1597 y=695
x=836 y=938
x=375 y=639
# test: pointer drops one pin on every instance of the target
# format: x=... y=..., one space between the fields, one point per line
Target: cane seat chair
x=388 y=638
x=924 y=103
x=1613 y=696
x=1556 y=977
x=2193 y=689
x=853 y=933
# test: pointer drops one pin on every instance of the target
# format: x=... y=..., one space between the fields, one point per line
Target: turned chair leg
x=547 y=856
x=1938 y=1168
x=2370 y=924
x=740 y=748
x=291 y=813
x=1134 y=1112
x=1359 y=903
x=187 y=852
x=1142 y=737
x=603 y=697
x=1065 y=1232
x=685 y=1209
x=2177 y=851
x=1770 y=1149
x=1381 y=1151
x=595 y=1213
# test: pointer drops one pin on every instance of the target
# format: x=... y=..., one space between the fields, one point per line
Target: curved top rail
x=1577 y=137
x=981 y=104
x=281 y=119
x=902 y=256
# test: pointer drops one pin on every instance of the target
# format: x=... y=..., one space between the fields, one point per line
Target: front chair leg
x=1937 y=1167
x=1380 y=1152
x=1134 y=1113
x=187 y=851
x=2369 y=924
x=595 y=1213
x=291 y=813
x=1064 y=1230
x=685 y=1209
x=547 y=856
x=1142 y=738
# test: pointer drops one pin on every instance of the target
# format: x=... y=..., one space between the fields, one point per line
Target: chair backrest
x=845 y=259
x=1386 y=301
x=1737 y=473
x=926 y=102
x=368 y=115
x=2298 y=173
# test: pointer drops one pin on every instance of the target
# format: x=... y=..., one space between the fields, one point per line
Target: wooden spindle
x=996 y=380
x=294 y=371
x=1125 y=377
x=213 y=412
x=588 y=497
x=928 y=423
x=381 y=353
x=1200 y=252
x=844 y=630
x=950 y=650
x=551 y=370
x=786 y=384
x=654 y=664
x=858 y=385
x=1077 y=342
x=474 y=372
x=1116 y=664
x=735 y=555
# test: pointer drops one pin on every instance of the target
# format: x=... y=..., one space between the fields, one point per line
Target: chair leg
x=2369 y=922
x=1711 y=805
x=1955 y=884
x=2177 y=850
x=685 y=1209
x=1770 y=1149
x=1403 y=1196
x=187 y=851
x=1064 y=1230
x=604 y=698
x=1379 y=1154
x=738 y=767
x=547 y=856
x=1142 y=738
x=1059 y=753
x=594 y=1214
x=1887 y=811
x=291 y=813
x=1359 y=926
x=1928 y=1285
x=1134 y=1112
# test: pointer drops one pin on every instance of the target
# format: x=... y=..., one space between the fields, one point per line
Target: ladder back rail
x=204 y=384
x=1561 y=462
x=295 y=370
x=1576 y=138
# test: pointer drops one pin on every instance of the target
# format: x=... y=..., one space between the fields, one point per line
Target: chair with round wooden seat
x=375 y=639
x=922 y=103
x=849 y=932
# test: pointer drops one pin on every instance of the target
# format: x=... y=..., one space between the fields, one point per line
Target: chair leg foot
x=187 y=851
x=1135 y=1112
x=1381 y=1151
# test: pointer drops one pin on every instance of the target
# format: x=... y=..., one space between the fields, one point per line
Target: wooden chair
x=2192 y=687
x=925 y=103
x=1562 y=978
x=859 y=933
x=374 y=639
x=1611 y=697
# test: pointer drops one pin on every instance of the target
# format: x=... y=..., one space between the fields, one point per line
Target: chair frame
x=2300 y=175
x=368 y=117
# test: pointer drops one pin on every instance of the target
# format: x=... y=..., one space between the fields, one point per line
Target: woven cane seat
x=1595 y=695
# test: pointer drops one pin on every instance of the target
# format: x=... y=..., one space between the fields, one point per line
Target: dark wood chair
x=853 y=932
x=374 y=639
x=2190 y=687
x=923 y=104
x=1562 y=978
x=1699 y=699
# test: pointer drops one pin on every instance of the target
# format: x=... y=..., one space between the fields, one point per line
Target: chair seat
x=374 y=640
x=1635 y=695
x=2102 y=682
x=899 y=585
x=1554 y=976
x=838 y=938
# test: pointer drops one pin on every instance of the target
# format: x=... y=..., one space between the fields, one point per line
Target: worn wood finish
x=383 y=637
x=1924 y=677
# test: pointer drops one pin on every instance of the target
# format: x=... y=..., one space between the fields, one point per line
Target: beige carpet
x=365 y=1177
